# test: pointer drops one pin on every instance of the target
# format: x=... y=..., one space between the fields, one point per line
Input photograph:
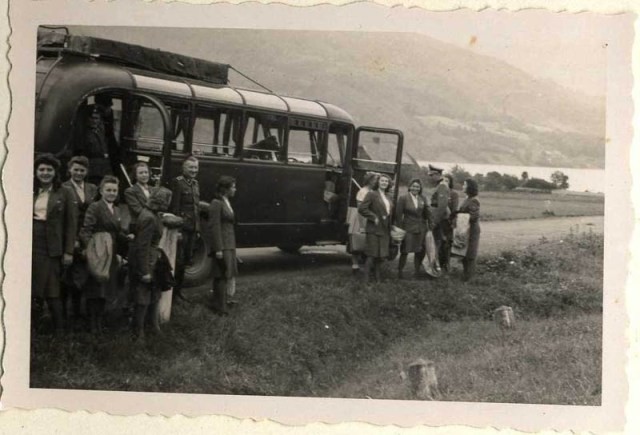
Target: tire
x=199 y=272
x=290 y=249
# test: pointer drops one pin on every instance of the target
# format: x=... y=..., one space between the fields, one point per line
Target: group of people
x=418 y=220
x=80 y=240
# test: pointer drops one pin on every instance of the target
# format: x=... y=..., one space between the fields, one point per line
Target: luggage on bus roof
x=138 y=56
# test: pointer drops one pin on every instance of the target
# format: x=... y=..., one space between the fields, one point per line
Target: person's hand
x=219 y=255
x=146 y=278
x=76 y=245
x=376 y=220
x=131 y=236
x=67 y=260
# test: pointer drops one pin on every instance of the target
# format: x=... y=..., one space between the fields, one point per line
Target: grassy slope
x=305 y=335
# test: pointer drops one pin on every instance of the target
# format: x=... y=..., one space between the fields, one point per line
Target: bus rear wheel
x=292 y=248
x=199 y=272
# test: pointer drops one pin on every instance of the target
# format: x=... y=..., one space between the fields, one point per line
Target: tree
x=510 y=182
x=459 y=175
x=560 y=180
x=525 y=176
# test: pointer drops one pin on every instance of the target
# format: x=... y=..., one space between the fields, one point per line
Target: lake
x=580 y=180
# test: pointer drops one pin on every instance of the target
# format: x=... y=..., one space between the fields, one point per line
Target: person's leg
x=355 y=262
x=401 y=263
x=377 y=263
x=219 y=302
x=138 y=321
x=368 y=268
x=100 y=306
x=184 y=252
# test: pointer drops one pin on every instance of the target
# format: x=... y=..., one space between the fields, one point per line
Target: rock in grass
x=423 y=382
x=504 y=318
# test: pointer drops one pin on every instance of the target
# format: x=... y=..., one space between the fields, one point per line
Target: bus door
x=378 y=150
x=147 y=135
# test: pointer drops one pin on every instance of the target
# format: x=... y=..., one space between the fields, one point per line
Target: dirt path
x=496 y=236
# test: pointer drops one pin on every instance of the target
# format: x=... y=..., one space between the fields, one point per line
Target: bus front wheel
x=293 y=248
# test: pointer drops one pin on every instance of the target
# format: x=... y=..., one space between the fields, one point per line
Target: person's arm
x=133 y=201
x=143 y=242
x=89 y=224
x=215 y=221
x=176 y=198
x=70 y=226
x=442 y=195
x=365 y=208
x=427 y=215
x=400 y=211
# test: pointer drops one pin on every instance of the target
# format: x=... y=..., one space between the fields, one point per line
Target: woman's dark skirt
x=227 y=267
x=45 y=270
x=377 y=246
x=412 y=243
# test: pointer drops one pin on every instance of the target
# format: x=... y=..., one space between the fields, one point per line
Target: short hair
x=224 y=184
x=79 y=160
x=159 y=199
x=449 y=178
x=416 y=180
x=190 y=158
x=109 y=179
x=135 y=167
x=368 y=177
x=472 y=187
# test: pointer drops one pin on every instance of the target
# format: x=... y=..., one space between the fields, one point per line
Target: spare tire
x=199 y=272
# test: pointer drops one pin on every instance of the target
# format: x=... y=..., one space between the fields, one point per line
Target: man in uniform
x=439 y=206
x=184 y=203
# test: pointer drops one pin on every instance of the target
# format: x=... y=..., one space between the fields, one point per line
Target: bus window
x=180 y=117
x=263 y=137
x=149 y=129
x=215 y=132
x=336 y=146
x=306 y=141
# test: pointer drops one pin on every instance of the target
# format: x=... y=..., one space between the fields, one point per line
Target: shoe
x=355 y=269
x=232 y=302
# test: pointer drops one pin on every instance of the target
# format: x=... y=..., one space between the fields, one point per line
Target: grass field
x=327 y=335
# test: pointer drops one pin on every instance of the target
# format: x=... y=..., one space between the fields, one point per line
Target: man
x=439 y=207
x=184 y=203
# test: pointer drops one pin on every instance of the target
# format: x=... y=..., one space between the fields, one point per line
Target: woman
x=102 y=223
x=471 y=205
x=414 y=216
x=144 y=257
x=376 y=209
x=83 y=193
x=357 y=224
x=54 y=234
x=223 y=244
x=137 y=196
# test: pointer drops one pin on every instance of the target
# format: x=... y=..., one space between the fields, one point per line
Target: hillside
x=452 y=104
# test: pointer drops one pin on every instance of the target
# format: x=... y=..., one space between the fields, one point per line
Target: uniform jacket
x=145 y=245
x=136 y=200
x=221 y=222
x=90 y=192
x=100 y=219
x=412 y=219
x=61 y=223
x=371 y=207
x=184 y=202
x=454 y=200
x=440 y=203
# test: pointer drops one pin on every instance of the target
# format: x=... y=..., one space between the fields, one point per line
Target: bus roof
x=167 y=73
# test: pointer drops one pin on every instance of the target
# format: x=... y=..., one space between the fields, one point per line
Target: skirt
x=45 y=270
x=145 y=293
x=95 y=289
x=412 y=243
x=227 y=267
x=377 y=246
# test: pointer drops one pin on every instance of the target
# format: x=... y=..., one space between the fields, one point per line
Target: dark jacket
x=61 y=223
x=90 y=192
x=98 y=219
x=221 y=223
x=411 y=219
x=371 y=207
x=472 y=207
x=440 y=203
x=184 y=202
x=136 y=200
x=145 y=244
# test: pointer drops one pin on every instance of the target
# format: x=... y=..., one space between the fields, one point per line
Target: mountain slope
x=452 y=104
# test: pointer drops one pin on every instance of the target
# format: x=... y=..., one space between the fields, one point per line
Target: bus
x=298 y=162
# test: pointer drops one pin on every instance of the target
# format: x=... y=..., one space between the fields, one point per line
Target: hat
x=434 y=170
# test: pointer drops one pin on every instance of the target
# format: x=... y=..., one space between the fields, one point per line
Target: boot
x=368 y=265
x=55 y=306
x=100 y=303
x=401 y=263
x=418 y=257
x=376 y=266
x=93 y=316
x=154 y=317
x=220 y=296
x=138 y=322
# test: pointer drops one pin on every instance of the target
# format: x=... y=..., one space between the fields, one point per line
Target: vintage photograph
x=418 y=208
x=335 y=214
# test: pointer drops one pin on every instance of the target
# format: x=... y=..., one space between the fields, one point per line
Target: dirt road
x=496 y=236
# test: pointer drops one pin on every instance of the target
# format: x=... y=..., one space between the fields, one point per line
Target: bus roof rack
x=137 y=56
